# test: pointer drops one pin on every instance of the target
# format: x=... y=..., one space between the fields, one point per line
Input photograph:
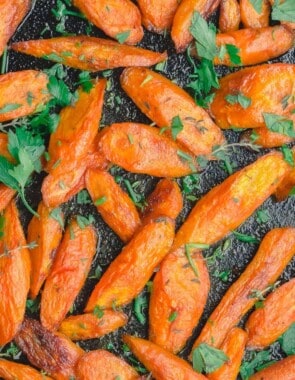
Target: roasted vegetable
x=286 y=186
x=255 y=16
x=283 y=370
x=6 y=193
x=230 y=16
x=13 y=371
x=266 y=138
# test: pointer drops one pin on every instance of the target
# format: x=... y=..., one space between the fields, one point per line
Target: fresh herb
x=123 y=36
x=287 y=341
x=4 y=61
x=288 y=155
x=218 y=252
x=83 y=221
x=188 y=248
x=85 y=81
x=292 y=192
x=98 y=312
x=176 y=127
x=9 y=107
x=205 y=36
x=279 y=124
x=100 y=201
x=223 y=276
x=283 y=10
x=60 y=13
x=161 y=66
x=255 y=363
x=262 y=216
x=140 y=304
x=260 y=294
x=33 y=305
x=285 y=101
x=2 y=225
x=172 y=316
x=208 y=359
x=245 y=238
x=137 y=199
x=257 y=5
x=83 y=198
x=60 y=91
x=147 y=79
x=11 y=352
x=239 y=98
x=233 y=53
x=57 y=215
x=97 y=273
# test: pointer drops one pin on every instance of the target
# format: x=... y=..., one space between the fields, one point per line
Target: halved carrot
x=11 y=371
x=15 y=269
x=114 y=205
x=286 y=186
x=46 y=231
x=265 y=138
x=89 y=53
x=22 y=93
x=283 y=370
x=132 y=268
x=90 y=326
x=101 y=364
x=162 y=101
x=117 y=18
x=162 y=364
x=140 y=148
x=253 y=19
x=275 y=251
x=68 y=274
x=265 y=325
x=229 y=16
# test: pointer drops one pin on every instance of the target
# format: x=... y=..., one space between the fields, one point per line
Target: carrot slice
x=12 y=371
x=253 y=19
x=150 y=91
x=283 y=370
x=89 y=53
x=229 y=16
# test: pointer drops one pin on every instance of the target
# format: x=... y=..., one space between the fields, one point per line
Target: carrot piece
x=162 y=364
x=251 y=82
x=267 y=324
x=6 y=195
x=180 y=32
x=89 y=53
x=101 y=364
x=115 y=17
x=46 y=231
x=4 y=147
x=52 y=352
x=140 y=148
x=129 y=272
x=229 y=16
x=157 y=15
x=233 y=347
x=283 y=370
x=22 y=93
x=180 y=292
x=12 y=371
x=275 y=251
x=114 y=205
x=15 y=269
x=90 y=326
x=253 y=19
x=69 y=271
x=150 y=91
x=286 y=186
x=265 y=138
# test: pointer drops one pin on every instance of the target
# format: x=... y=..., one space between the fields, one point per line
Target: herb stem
x=4 y=61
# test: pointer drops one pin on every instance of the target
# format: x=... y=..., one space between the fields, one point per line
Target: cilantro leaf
x=233 y=53
x=9 y=107
x=288 y=155
x=239 y=98
x=208 y=359
x=258 y=359
x=287 y=341
x=283 y=11
x=279 y=124
x=176 y=127
x=59 y=90
x=257 y=5
x=83 y=221
x=85 y=81
x=123 y=36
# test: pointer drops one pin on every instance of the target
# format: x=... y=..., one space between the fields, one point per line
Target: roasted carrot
x=15 y=269
x=162 y=364
x=129 y=272
x=6 y=193
x=275 y=251
x=101 y=364
x=140 y=148
x=12 y=371
x=286 y=186
x=22 y=93
x=265 y=138
x=89 y=53
x=283 y=370
x=251 y=18
x=69 y=272
x=90 y=326
x=162 y=101
x=233 y=347
x=114 y=205
x=268 y=323
x=251 y=83
x=229 y=16
x=119 y=19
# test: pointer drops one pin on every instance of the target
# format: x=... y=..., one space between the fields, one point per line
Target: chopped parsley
x=208 y=359
x=238 y=98
x=279 y=124
x=257 y=5
x=123 y=36
x=176 y=127
x=283 y=11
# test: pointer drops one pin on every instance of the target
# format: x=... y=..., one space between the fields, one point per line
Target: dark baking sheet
x=235 y=258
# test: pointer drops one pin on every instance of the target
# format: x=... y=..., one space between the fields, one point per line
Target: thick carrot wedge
x=12 y=371
x=115 y=17
x=46 y=231
x=285 y=187
x=283 y=370
x=162 y=364
x=229 y=16
x=253 y=19
x=90 y=326
x=114 y=205
x=161 y=100
x=12 y=14
x=68 y=274
x=15 y=269
x=275 y=251
x=129 y=272
x=267 y=324
x=89 y=53
x=140 y=148
x=233 y=347
x=22 y=93
x=101 y=364
x=266 y=138
x=267 y=87
x=180 y=32
x=53 y=352
x=157 y=15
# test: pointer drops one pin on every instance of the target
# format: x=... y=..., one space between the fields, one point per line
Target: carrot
x=68 y=274
x=233 y=347
x=22 y=93
x=46 y=231
x=150 y=91
x=114 y=205
x=229 y=16
x=268 y=323
x=162 y=364
x=89 y=53
x=253 y=19
x=286 y=186
x=132 y=268
x=12 y=371
x=283 y=370
x=90 y=326
x=6 y=193
x=275 y=251
x=251 y=83
x=119 y=19
x=101 y=364
x=15 y=269
x=266 y=138
x=140 y=148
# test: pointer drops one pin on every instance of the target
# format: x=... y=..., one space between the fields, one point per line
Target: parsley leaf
x=140 y=303
x=283 y=11
x=176 y=127
x=288 y=155
x=208 y=359
x=279 y=124
x=59 y=90
x=85 y=81
x=83 y=221
x=57 y=215
x=262 y=216
x=9 y=107
x=122 y=37
x=233 y=53
x=239 y=98
x=257 y=5
x=245 y=238
x=287 y=341
x=255 y=363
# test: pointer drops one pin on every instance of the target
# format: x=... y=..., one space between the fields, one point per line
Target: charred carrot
x=255 y=17
x=11 y=371
x=151 y=91
x=230 y=16
x=283 y=370
x=89 y=53
x=129 y=272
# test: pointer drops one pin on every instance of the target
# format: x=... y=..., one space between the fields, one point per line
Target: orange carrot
x=12 y=371
x=6 y=193
x=265 y=138
x=283 y=370
x=230 y=16
x=286 y=186
x=253 y=19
